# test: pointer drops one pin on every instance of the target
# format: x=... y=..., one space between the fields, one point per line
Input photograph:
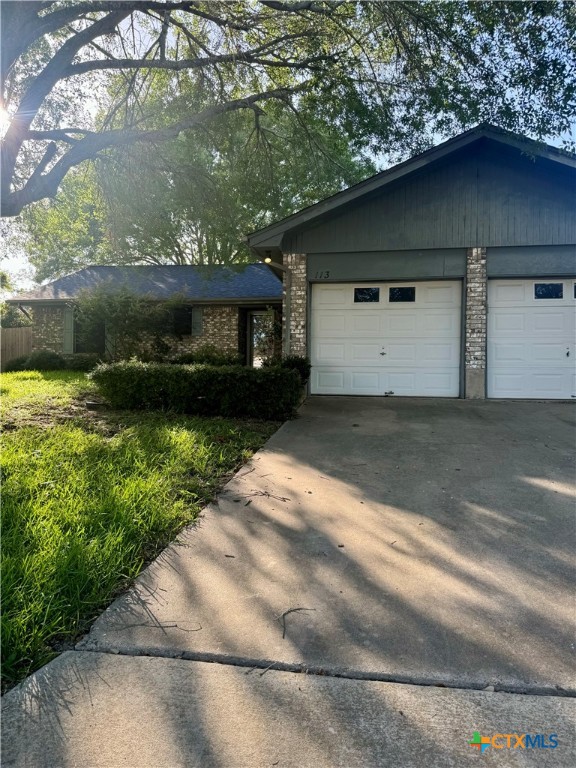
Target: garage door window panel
x=548 y=290
x=366 y=295
x=401 y=295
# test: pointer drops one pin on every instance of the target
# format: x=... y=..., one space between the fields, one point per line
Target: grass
x=89 y=498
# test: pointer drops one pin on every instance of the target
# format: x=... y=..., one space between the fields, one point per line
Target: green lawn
x=88 y=498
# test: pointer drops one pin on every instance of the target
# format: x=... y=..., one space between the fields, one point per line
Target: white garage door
x=379 y=338
x=531 y=338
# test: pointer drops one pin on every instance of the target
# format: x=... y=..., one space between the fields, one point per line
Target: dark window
x=89 y=337
x=183 y=320
x=197 y=321
x=548 y=290
x=402 y=294
x=366 y=294
x=575 y=290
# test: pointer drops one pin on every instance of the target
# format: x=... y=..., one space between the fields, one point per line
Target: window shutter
x=197 y=321
x=182 y=320
x=68 y=341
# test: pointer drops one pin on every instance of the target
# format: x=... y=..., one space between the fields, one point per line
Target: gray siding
x=399 y=265
x=489 y=196
x=536 y=261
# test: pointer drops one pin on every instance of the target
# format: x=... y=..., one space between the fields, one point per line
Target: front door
x=261 y=336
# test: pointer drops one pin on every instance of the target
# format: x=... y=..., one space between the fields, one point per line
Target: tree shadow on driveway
x=427 y=539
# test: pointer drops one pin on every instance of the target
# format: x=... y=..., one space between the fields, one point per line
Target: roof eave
x=238 y=300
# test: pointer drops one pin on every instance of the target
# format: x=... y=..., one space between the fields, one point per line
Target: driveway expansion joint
x=264 y=665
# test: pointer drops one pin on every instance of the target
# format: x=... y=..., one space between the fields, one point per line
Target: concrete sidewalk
x=405 y=543
x=94 y=710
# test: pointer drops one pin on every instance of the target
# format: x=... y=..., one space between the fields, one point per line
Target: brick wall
x=296 y=263
x=220 y=328
x=48 y=329
x=476 y=311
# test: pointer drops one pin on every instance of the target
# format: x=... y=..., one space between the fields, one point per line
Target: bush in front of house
x=43 y=360
x=82 y=361
x=292 y=362
x=264 y=393
x=16 y=364
x=207 y=355
x=46 y=360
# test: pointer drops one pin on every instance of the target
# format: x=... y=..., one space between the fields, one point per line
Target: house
x=452 y=274
x=221 y=306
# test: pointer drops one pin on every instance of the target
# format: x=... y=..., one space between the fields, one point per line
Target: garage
x=450 y=274
x=386 y=338
x=532 y=338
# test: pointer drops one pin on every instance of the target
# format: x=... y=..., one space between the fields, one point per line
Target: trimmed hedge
x=263 y=393
x=207 y=355
x=16 y=364
x=82 y=361
x=45 y=360
x=292 y=362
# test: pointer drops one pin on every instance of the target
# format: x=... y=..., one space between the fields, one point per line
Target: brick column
x=475 y=333
x=296 y=263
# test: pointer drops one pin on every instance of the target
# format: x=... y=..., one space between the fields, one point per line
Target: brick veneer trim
x=296 y=263
x=476 y=323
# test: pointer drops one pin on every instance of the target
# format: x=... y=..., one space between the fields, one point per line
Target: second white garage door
x=531 y=338
x=386 y=338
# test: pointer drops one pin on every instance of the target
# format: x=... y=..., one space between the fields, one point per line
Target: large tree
x=191 y=200
x=386 y=72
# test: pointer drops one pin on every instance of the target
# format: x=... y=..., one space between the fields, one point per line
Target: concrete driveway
x=412 y=556
x=409 y=540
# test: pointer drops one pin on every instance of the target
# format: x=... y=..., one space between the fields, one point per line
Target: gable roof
x=270 y=237
x=204 y=284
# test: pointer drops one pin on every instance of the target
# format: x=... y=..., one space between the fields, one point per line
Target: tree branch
x=41 y=87
x=321 y=8
x=58 y=134
x=183 y=64
x=41 y=186
x=49 y=155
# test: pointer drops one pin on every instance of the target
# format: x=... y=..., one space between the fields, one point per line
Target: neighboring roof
x=214 y=283
x=271 y=236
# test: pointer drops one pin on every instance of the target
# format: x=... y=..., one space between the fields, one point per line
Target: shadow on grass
x=91 y=500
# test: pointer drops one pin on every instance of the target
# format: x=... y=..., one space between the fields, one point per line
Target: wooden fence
x=14 y=342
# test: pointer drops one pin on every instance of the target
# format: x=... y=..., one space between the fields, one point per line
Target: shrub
x=82 y=361
x=43 y=360
x=291 y=362
x=16 y=364
x=265 y=393
x=207 y=355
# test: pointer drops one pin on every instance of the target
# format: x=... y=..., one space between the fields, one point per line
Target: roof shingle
x=196 y=283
